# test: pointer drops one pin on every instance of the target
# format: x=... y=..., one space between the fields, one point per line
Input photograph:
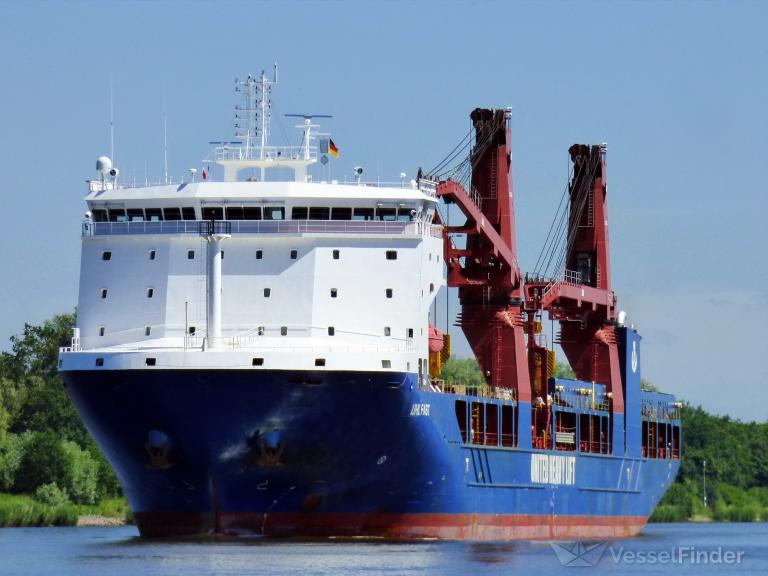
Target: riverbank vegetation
x=52 y=473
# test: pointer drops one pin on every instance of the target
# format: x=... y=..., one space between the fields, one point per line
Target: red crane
x=499 y=306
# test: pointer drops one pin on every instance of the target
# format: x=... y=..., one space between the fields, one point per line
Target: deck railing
x=192 y=227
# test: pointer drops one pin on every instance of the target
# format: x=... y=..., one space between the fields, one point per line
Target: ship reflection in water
x=662 y=548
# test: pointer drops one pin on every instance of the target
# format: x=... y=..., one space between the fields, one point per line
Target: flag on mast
x=333 y=149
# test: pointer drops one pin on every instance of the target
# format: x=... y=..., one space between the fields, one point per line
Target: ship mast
x=251 y=149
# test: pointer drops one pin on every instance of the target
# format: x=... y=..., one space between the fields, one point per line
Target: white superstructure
x=258 y=274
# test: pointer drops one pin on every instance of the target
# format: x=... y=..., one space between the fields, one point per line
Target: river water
x=683 y=549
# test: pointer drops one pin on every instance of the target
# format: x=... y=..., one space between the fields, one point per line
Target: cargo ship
x=254 y=353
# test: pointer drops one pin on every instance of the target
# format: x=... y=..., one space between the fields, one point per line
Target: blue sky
x=678 y=90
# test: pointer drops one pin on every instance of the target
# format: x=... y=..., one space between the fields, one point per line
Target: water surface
x=683 y=549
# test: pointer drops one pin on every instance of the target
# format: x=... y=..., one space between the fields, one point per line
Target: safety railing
x=192 y=227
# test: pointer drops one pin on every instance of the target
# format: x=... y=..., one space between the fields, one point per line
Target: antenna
x=165 y=139
x=111 y=122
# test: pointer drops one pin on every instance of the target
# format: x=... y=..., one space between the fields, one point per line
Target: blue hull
x=344 y=454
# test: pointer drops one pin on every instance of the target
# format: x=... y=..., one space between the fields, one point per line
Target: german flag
x=333 y=149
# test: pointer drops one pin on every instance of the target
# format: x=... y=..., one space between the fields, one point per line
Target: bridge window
x=274 y=213
x=391 y=254
x=341 y=213
x=135 y=214
x=116 y=215
x=259 y=254
x=363 y=214
x=154 y=214
x=106 y=255
x=389 y=292
x=299 y=213
x=100 y=216
x=251 y=212
x=103 y=293
x=404 y=214
x=386 y=214
x=234 y=212
x=172 y=213
x=188 y=213
x=319 y=213
x=213 y=213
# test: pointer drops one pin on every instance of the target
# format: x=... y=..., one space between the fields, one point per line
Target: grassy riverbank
x=17 y=510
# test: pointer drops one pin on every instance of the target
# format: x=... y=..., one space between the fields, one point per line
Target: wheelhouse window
x=319 y=213
x=300 y=213
x=386 y=214
x=154 y=214
x=172 y=213
x=188 y=213
x=234 y=212
x=341 y=213
x=117 y=215
x=213 y=213
x=100 y=215
x=363 y=214
x=404 y=214
x=274 y=213
x=135 y=214
x=251 y=212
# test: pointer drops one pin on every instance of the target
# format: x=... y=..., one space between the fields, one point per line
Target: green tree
x=43 y=461
x=30 y=380
x=82 y=474
x=462 y=371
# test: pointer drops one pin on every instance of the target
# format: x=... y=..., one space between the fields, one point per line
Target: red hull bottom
x=392 y=526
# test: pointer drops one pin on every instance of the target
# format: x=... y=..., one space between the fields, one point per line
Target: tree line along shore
x=52 y=473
